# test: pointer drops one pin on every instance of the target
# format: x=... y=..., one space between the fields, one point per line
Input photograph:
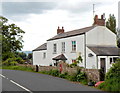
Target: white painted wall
x=38 y=58
x=91 y=62
x=68 y=48
x=100 y=35
x=119 y=18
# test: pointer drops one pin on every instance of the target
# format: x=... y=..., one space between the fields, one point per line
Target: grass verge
x=22 y=68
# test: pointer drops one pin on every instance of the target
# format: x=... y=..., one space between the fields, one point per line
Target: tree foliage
x=11 y=38
x=21 y=55
x=30 y=56
x=111 y=23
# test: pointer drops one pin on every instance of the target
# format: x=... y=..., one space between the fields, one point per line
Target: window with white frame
x=54 y=48
x=113 y=60
x=63 y=46
x=73 y=45
x=44 y=55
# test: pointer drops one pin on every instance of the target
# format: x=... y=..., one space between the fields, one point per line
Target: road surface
x=14 y=80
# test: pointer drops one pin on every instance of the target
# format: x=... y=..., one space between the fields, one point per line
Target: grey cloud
x=80 y=7
x=20 y=8
x=17 y=11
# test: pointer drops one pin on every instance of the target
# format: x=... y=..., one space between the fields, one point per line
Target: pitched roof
x=72 y=33
x=60 y=57
x=42 y=47
x=105 y=50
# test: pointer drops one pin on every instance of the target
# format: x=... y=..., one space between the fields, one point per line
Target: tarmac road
x=14 y=80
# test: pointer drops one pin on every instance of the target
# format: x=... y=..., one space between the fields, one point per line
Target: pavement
x=14 y=80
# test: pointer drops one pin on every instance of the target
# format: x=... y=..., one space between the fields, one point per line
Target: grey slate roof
x=42 y=47
x=60 y=57
x=72 y=33
x=105 y=50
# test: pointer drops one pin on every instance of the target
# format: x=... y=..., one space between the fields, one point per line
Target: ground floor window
x=113 y=60
x=44 y=55
x=73 y=60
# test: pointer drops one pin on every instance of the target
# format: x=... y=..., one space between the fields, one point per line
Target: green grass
x=22 y=68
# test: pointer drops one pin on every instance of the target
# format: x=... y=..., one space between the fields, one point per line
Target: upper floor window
x=54 y=48
x=63 y=46
x=44 y=55
x=73 y=45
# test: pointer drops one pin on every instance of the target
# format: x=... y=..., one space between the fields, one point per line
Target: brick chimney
x=100 y=22
x=59 y=31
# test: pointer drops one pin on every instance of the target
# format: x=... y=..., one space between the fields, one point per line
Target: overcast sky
x=40 y=18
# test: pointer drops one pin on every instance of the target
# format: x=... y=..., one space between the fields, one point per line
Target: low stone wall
x=47 y=68
x=92 y=74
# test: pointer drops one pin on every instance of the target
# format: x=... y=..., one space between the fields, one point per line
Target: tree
x=11 y=38
x=111 y=23
x=30 y=56
x=21 y=55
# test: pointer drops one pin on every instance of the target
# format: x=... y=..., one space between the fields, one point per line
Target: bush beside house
x=112 y=78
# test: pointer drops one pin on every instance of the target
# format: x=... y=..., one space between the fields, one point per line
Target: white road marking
x=20 y=86
x=2 y=76
x=16 y=84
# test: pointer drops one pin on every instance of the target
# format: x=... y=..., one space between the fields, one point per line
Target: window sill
x=62 y=52
x=54 y=53
x=73 y=51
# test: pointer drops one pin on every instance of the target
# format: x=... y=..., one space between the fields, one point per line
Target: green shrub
x=73 y=78
x=10 y=61
x=112 y=78
x=13 y=63
x=81 y=76
x=19 y=60
x=54 y=72
x=114 y=71
x=63 y=75
x=73 y=65
x=110 y=85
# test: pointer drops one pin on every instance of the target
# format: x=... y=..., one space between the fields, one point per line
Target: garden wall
x=92 y=74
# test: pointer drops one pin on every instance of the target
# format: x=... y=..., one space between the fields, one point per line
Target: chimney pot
x=59 y=31
x=58 y=27
x=96 y=17
x=101 y=16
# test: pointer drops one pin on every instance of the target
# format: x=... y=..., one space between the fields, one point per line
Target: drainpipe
x=97 y=61
x=85 y=48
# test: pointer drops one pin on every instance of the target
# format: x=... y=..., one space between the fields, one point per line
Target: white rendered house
x=95 y=44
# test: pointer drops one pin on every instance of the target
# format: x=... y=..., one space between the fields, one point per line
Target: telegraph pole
x=93 y=10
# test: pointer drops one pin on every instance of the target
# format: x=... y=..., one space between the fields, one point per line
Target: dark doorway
x=37 y=68
x=102 y=69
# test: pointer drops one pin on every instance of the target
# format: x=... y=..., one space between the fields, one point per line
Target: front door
x=103 y=68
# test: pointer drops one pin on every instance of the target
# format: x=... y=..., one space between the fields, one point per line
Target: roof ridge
x=72 y=33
